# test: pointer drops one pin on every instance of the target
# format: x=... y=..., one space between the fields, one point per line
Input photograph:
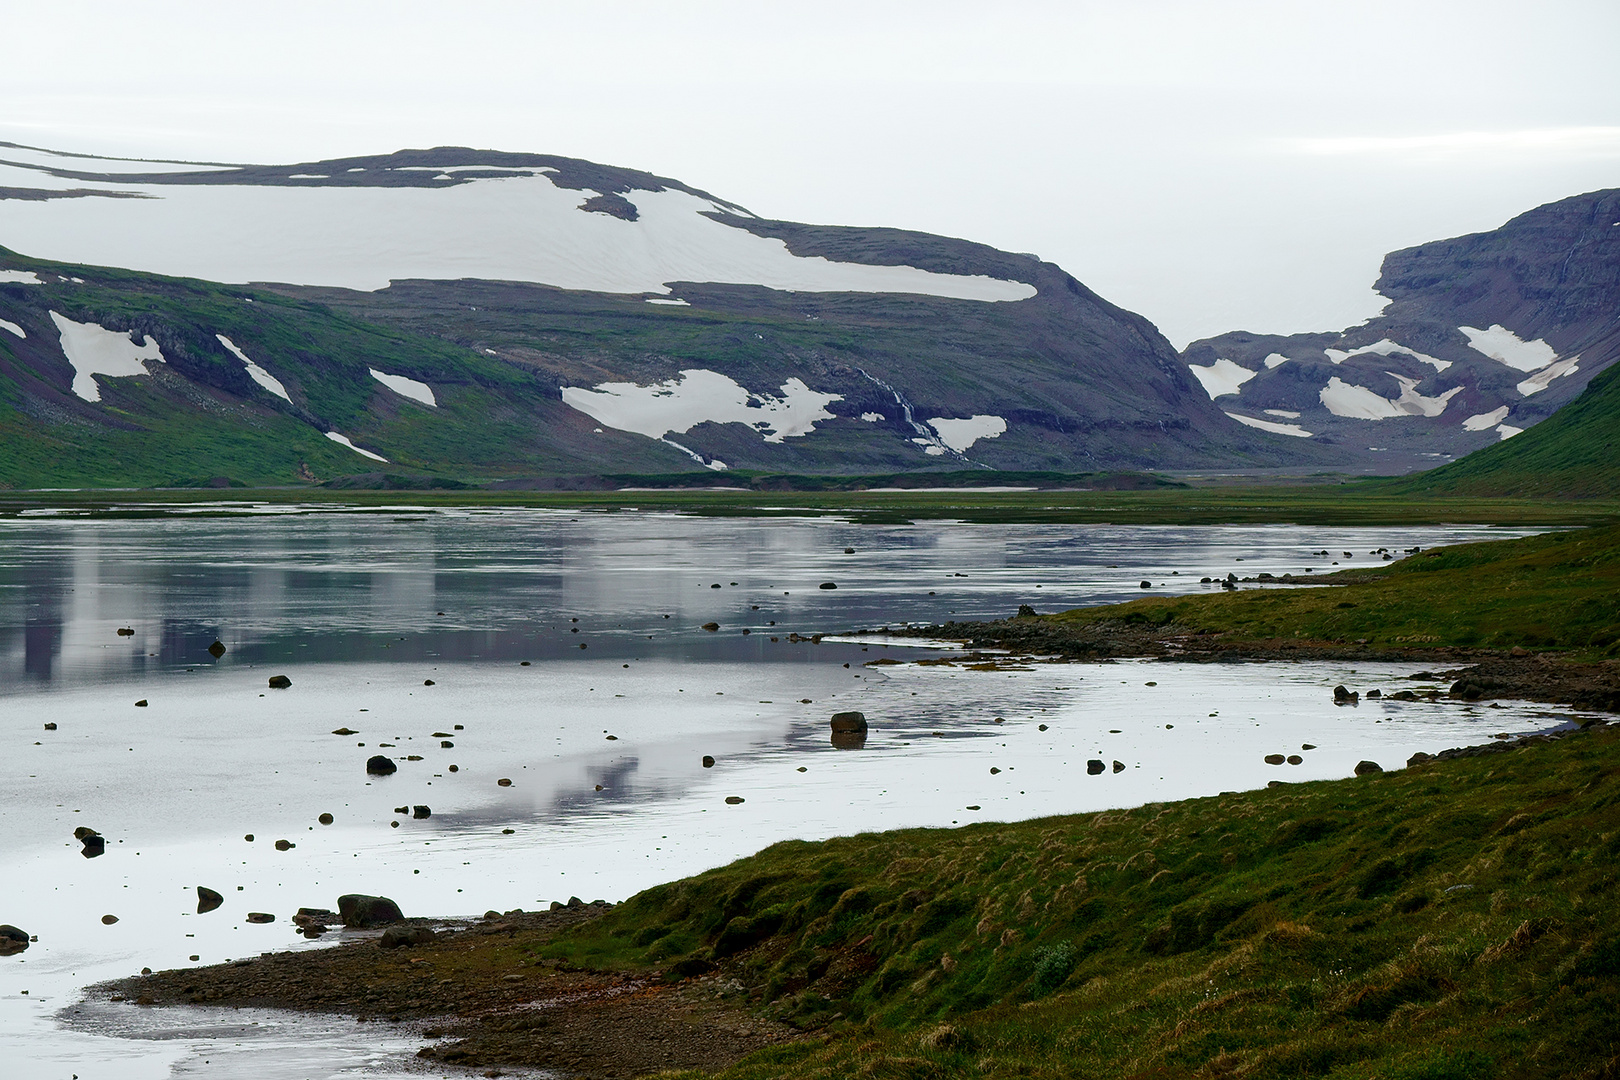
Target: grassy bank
x=1351 y=503
x=1560 y=590
x=1453 y=920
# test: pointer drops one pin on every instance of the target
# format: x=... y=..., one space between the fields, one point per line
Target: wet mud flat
x=480 y=996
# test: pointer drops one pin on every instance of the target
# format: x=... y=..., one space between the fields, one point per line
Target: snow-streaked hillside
x=364 y=228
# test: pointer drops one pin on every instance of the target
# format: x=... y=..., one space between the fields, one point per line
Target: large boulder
x=381 y=765
x=849 y=722
x=396 y=937
x=359 y=910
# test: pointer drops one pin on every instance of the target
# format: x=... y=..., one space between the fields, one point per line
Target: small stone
x=1094 y=767
x=455 y=768
x=126 y=631
x=325 y=819
x=108 y=920
x=260 y=917
x=141 y=704
x=1367 y=768
x=279 y=682
x=1275 y=759
x=207 y=899
x=828 y=585
x=381 y=765
x=248 y=838
x=734 y=800
x=1343 y=695
x=285 y=845
x=12 y=940
x=217 y=649
x=50 y=727
x=1145 y=585
x=708 y=762
x=345 y=731
x=508 y=832
x=1295 y=759
x=1307 y=746
x=1375 y=693
x=419 y=812
x=194 y=957
x=1041 y=728
x=504 y=782
x=397 y=937
x=1119 y=766
x=994 y=771
x=1418 y=759
x=446 y=744
x=711 y=627
x=428 y=682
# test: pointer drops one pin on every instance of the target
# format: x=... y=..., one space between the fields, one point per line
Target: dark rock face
x=207 y=899
x=12 y=940
x=381 y=765
x=1550 y=275
x=361 y=911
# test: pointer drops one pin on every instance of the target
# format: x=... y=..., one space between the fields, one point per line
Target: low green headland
x=1554 y=591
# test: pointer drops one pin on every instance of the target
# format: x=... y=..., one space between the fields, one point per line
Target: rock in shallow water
x=360 y=910
x=396 y=937
x=207 y=899
x=381 y=765
x=279 y=682
x=12 y=940
x=217 y=649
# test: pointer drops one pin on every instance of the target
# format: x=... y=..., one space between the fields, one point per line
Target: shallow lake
x=567 y=654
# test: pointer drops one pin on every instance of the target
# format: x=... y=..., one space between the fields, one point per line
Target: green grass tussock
x=1560 y=590
x=1452 y=920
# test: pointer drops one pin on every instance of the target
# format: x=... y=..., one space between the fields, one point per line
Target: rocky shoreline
x=1474 y=674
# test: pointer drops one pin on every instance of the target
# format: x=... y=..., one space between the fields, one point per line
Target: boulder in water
x=849 y=722
x=381 y=765
x=207 y=899
x=359 y=910
x=12 y=940
x=217 y=649
x=279 y=682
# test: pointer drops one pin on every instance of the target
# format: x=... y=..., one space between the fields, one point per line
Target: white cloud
x=1561 y=141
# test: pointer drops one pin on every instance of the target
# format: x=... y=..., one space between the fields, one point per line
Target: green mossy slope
x=1453 y=920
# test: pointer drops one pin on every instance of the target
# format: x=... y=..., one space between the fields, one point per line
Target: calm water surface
x=360 y=610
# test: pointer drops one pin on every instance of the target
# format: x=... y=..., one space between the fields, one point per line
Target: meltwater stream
x=564 y=652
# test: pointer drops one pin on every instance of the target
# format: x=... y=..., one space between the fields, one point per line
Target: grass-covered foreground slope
x=1458 y=919
x=1559 y=590
x=1570 y=454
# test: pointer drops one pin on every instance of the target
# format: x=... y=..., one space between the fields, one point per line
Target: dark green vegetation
x=1453 y=920
x=1556 y=591
x=1569 y=455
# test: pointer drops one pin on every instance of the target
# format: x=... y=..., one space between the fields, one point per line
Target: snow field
x=344 y=440
x=696 y=396
x=1272 y=426
x=959 y=435
x=20 y=277
x=1503 y=345
x=1539 y=381
x=1385 y=347
x=1222 y=377
x=255 y=372
x=399 y=384
x=11 y=327
x=93 y=351
x=1481 y=421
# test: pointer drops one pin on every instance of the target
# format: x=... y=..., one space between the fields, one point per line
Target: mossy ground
x=1556 y=591
x=1453 y=920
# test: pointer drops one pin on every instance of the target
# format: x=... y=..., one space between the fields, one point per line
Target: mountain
x=493 y=316
x=1569 y=455
x=1483 y=337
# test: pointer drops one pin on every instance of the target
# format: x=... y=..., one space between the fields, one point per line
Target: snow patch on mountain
x=1275 y=360
x=1221 y=377
x=1507 y=431
x=959 y=435
x=1382 y=347
x=255 y=372
x=93 y=350
x=20 y=277
x=1481 y=421
x=697 y=396
x=1357 y=402
x=13 y=328
x=1503 y=345
x=344 y=440
x=1272 y=426
x=506 y=228
x=399 y=384
x=1538 y=382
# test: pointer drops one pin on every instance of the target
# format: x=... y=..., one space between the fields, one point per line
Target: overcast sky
x=1214 y=166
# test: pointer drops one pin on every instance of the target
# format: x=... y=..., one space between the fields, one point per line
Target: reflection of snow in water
x=697 y=396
